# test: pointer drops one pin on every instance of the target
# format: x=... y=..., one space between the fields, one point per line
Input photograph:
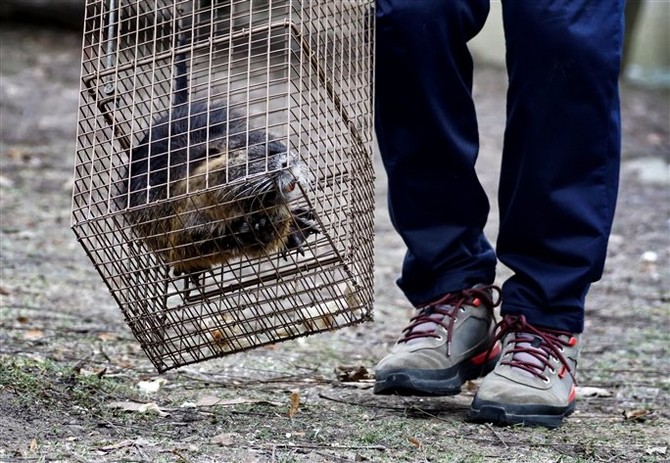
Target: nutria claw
x=304 y=224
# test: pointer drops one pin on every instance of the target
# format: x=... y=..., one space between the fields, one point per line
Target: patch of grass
x=50 y=383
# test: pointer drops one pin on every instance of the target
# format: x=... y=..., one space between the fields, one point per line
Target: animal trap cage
x=223 y=173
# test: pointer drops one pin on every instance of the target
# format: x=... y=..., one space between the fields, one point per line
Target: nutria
x=204 y=188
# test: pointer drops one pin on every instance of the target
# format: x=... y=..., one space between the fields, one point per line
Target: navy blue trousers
x=560 y=161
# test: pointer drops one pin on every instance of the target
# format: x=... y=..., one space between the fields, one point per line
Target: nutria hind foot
x=195 y=277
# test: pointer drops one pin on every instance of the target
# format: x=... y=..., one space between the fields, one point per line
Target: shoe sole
x=525 y=415
x=435 y=383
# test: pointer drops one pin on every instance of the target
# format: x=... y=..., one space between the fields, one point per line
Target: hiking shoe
x=445 y=344
x=534 y=380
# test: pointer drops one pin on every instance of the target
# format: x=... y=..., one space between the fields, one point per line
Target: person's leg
x=560 y=168
x=427 y=133
x=557 y=196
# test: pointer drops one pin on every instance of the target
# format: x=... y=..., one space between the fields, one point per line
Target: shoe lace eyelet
x=462 y=310
x=552 y=371
x=546 y=380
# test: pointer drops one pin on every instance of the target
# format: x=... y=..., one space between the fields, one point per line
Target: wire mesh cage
x=223 y=179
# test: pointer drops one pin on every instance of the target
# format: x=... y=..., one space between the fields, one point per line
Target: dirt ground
x=76 y=387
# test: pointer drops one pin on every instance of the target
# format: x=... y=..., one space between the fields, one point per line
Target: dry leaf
x=22 y=319
x=351 y=297
x=584 y=392
x=138 y=407
x=153 y=408
x=295 y=404
x=5 y=292
x=637 y=415
x=149 y=387
x=219 y=338
x=210 y=401
x=415 y=442
x=314 y=319
x=328 y=321
x=352 y=374
x=84 y=372
x=107 y=337
x=33 y=445
x=33 y=334
x=656 y=451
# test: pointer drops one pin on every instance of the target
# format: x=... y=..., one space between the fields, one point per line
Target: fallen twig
x=381 y=448
x=488 y=425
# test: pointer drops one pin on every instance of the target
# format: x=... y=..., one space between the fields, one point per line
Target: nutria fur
x=203 y=189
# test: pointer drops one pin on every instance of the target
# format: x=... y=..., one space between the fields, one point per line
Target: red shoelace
x=445 y=310
x=535 y=343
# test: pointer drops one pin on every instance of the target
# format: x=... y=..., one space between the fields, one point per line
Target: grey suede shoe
x=534 y=380
x=446 y=343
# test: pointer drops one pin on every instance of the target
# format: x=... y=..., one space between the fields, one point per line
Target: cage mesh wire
x=223 y=174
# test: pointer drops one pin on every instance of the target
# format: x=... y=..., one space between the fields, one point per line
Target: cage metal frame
x=327 y=48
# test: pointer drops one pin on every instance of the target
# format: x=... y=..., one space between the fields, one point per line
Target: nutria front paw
x=303 y=225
